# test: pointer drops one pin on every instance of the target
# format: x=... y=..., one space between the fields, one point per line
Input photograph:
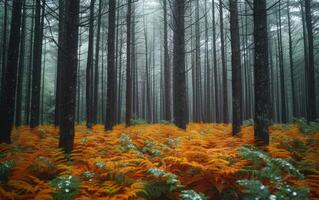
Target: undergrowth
x=160 y=162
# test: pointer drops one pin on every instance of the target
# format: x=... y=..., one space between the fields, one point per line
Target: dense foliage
x=161 y=162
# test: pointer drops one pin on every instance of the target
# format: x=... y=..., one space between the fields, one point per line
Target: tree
x=10 y=77
x=59 y=62
x=179 y=80
x=4 y=45
x=18 y=107
x=215 y=65
x=68 y=75
x=261 y=73
x=89 y=70
x=36 y=69
x=311 y=90
x=236 y=66
x=291 y=62
x=111 y=75
x=128 y=103
x=224 y=65
x=167 y=85
x=96 y=66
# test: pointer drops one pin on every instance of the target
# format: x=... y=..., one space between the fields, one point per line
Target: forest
x=159 y=99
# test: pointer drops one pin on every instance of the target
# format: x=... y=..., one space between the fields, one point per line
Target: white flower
x=288 y=189
x=67 y=190
x=272 y=197
x=70 y=177
x=294 y=193
x=262 y=187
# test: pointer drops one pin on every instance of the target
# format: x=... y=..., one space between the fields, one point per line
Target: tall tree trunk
x=261 y=73
x=89 y=70
x=236 y=65
x=4 y=44
x=36 y=69
x=291 y=61
x=8 y=98
x=167 y=74
x=111 y=76
x=18 y=108
x=147 y=76
x=43 y=79
x=311 y=109
x=128 y=114
x=224 y=65
x=179 y=84
x=29 y=70
x=282 y=71
x=217 y=110
x=208 y=111
x=59 y=62
x=96 y=67
x=198 y=71
x=68 y=75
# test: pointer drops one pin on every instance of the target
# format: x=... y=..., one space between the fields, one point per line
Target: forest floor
x=160 y=162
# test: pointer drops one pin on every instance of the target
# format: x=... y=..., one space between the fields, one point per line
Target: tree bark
x=96 y=67
x=111 y=76
x=179 y=83
x=128 y=114
x=261 y=74
x=36 y=69
x=59 y=63
x=224 y=65
x=18 y=108
x=236 y=66
x=311 y=106
x=10 y=79
x=68 y=75
x=167 y=74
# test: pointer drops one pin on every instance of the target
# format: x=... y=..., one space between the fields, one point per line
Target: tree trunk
x=18 y=108
x=167 y=74
x=261 y=74
x=59 y=62
x=179 y=84
x=29 y=71
x=68 y=75
x=96 y=67
x=4 y=45
x=281 y=68
x=311 y=111
x=111 y=76
x=224 y=65
x=217 y=110
x=291 y=61
x=89 y=70
x=128 y=114
x=10 y=79
x=36 y=70
x=236 y=65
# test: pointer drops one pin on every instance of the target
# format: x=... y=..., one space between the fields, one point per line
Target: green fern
x=306 y=127
x=65 y=187
x=192 y=195
x=5 y=169
x=268 y=173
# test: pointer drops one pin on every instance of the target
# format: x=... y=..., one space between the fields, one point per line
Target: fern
x=271 y=171
x=137 y=121
x=65 y=187
x=192 y=195
x=306 y=127
x=254 y=189
x=5 y=169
